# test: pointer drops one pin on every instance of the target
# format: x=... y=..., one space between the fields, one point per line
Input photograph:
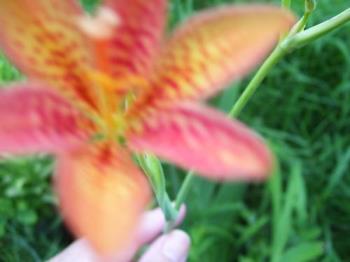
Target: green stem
x=319 y=30
x=253 y=85
x=300 y=25
x=185 y=187
x=154 y=171
x=170 y=213
x=293 y=40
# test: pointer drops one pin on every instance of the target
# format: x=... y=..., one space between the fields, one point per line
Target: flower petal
x=138 y=37
x=203 y=140
x=42 y=39
x=102 y=195
x=212 y=49
x=35 y=119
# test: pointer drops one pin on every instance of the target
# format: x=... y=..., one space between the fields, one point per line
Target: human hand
x=171 y=247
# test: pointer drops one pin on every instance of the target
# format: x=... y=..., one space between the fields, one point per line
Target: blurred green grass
x=301 y=214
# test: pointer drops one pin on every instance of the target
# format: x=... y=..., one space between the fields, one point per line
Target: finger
x=173 y=247
x=79 y=249
x=152 y=224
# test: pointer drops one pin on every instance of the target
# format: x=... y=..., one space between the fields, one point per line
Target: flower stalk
x=154 y=171
x=296 y=38
x=317 y=31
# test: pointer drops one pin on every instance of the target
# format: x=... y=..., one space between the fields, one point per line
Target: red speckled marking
x=139 y=35
x=203 y=140
x=37 y=120
x=211 y=50
x=41 y=39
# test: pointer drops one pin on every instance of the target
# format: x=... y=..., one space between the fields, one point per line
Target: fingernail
x=176 y=246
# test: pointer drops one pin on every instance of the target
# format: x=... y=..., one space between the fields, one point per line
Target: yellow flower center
x=114 y=96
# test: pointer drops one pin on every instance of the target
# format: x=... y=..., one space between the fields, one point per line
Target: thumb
x=172 y=247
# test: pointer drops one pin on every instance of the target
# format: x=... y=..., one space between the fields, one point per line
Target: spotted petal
x=102 y=195
x=138 y=37
x=33 y=119
x=41 y=38
x=212 y=49
x=203 y=140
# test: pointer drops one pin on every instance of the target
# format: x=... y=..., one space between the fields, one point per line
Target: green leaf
x=304 y=252
x=27 y=217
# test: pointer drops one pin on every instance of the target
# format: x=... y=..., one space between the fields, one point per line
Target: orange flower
x=101 y=87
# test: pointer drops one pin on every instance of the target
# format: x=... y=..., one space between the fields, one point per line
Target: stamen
x=102 y=25
x=114 y=95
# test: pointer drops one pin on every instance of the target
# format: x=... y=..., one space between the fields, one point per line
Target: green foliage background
x=301 y=214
